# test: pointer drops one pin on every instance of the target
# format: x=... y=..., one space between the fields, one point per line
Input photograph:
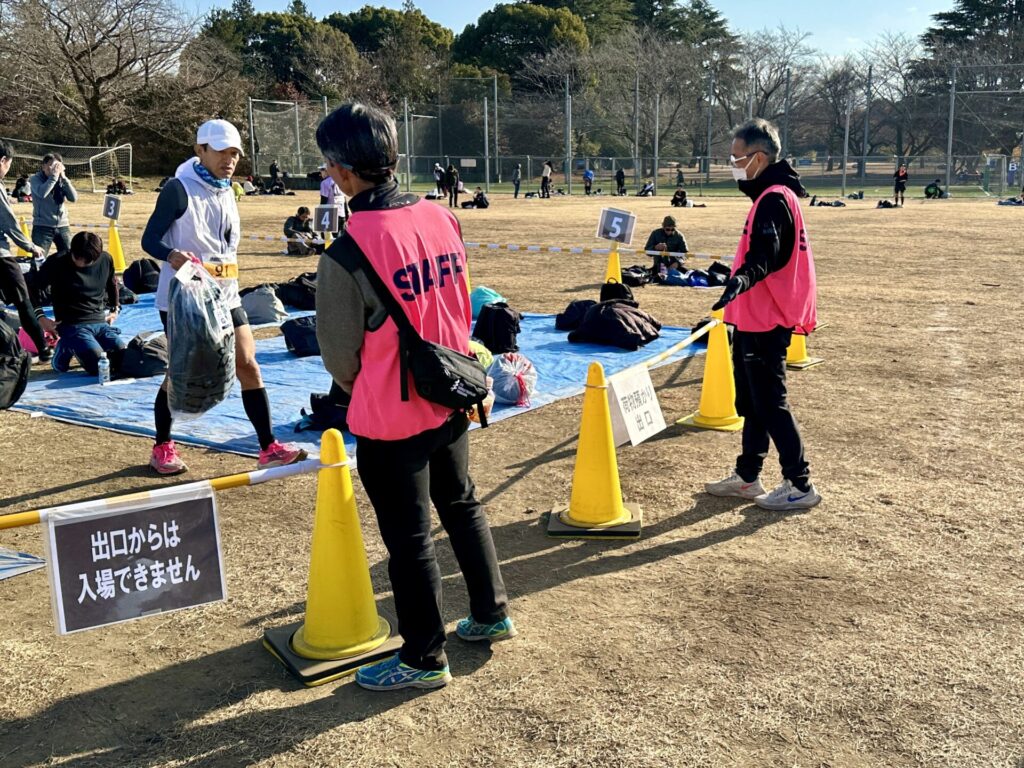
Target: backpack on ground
x=15 y=363
x=497 y=327
x=145 y=356
x=300 y=336
x=142 y=276
x=613 y=291
x=126 y=295
x=636 y=276
x=299 y=292
x=570 y=319
x=262 y=306
x=327 y=410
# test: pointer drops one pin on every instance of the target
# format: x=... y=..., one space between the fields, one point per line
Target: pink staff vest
x=785 y=298
x=417 y=250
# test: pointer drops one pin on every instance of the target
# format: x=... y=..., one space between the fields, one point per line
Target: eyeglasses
x=669 y=230
x=733 y=160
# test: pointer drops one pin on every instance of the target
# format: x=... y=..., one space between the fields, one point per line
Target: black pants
x=14 y=289
x=402 y=477
x=453 y=197
x=759 y=363
x=545 y=186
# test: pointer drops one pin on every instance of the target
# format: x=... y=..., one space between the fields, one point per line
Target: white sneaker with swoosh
x=787 y=497
x=736 y=486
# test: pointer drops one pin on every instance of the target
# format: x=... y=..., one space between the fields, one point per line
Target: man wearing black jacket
x=770 y=295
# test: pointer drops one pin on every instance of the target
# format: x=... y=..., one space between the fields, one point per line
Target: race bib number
x=222 y=271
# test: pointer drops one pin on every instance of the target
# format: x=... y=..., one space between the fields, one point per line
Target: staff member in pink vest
x=413 y=452
x=769 y=297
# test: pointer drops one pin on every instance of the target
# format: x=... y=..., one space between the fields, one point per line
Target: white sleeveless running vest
x=210 y=228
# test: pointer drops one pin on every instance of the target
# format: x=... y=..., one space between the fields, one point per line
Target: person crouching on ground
x=196 y=219
x=769 y=297
x=410 y=452
x=83 y=288
x=669 y=243
x=302 y=241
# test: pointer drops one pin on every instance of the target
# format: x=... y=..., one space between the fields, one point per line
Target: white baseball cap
x=219 y=134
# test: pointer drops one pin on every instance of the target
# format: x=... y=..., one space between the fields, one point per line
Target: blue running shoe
x=392 y=674
x=471 y=629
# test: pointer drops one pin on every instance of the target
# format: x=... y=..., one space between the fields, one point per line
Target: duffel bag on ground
x=300 y=336
x=145 y=355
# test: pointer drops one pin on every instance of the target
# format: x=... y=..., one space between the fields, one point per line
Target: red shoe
x=165 y=459
x=279 y=454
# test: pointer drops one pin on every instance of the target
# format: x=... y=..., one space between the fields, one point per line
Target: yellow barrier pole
x=706 y=329
x=33 y=517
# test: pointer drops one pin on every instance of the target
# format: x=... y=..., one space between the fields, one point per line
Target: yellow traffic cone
x=342 y=630
x=717 y=409
x=114 y=247
x=328 y=239
x=596 y=509
x=469 y=285
x=613 y=272
x=797 y=358
x=27 y=232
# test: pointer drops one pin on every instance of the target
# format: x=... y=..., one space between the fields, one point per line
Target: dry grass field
x=883 y=628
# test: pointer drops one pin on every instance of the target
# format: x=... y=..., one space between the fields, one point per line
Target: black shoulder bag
x=441 y=375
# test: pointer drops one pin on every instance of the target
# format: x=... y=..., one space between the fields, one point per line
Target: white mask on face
x=739 y=174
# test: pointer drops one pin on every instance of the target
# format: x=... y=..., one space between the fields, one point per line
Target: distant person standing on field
x=451 y=183
x=517 y=179
x=620 y=182
x=769 y=297
x=588 y=180
x=50 y=189
x=545 y=179
x=900 y=179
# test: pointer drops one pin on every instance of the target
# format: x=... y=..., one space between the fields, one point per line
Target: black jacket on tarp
x=618 y=323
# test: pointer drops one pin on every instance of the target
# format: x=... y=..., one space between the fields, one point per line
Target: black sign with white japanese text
x=117 y=564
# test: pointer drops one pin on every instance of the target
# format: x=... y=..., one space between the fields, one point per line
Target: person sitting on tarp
x=667 y=240
x=933 y=191
x=302 y=241
x=84 y=292
x=647 y=190
x=22 y=190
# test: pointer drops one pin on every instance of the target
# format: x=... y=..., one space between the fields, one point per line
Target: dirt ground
x=882 y=628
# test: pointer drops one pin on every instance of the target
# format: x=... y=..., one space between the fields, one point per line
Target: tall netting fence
x=90 y=168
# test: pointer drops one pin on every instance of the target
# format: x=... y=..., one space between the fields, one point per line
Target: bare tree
x=94 y=61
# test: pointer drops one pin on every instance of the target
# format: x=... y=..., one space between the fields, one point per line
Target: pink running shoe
x=279 y=454
x=165 y=459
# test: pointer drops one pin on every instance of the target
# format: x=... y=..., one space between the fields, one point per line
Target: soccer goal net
x=92 y=168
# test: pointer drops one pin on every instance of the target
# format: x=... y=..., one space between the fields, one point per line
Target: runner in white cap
x=196 y=217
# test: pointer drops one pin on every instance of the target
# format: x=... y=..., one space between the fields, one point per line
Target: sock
x=257 y=408
x=802 y=485
x=162 y=417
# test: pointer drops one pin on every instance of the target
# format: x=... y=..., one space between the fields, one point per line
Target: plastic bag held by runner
x=201 y=338
x=515 y=379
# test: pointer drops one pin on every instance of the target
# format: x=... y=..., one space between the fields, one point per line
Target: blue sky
x=835 y=27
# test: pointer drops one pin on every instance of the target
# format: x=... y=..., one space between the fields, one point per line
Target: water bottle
x=103 y=367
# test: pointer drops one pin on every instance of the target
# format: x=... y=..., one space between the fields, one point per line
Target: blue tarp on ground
x=127 y=406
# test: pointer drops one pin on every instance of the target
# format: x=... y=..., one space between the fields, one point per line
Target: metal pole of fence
x=750 y=94
x=636 y=128
x=325 y=106
x=846 y=141
x=298 y=140
x=487 y=153
x=408 y=167
x=711 y=92
x=440 y=122
x=252 y=142
x=867 y=126
x=497 y=151
x=949 y=136
x=657 y=127
x=568 y=137
x=785 y=119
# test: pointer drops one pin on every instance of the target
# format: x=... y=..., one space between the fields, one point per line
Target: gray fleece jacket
x=46 y=211
x=10 y=232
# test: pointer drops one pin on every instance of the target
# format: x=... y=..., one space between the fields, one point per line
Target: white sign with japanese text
x=636 y=413
x=118 y=560
x=616 y=225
